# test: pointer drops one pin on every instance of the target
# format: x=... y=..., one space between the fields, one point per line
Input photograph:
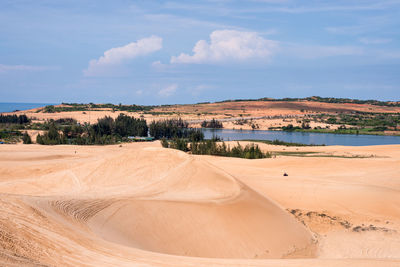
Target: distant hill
x=324 y=100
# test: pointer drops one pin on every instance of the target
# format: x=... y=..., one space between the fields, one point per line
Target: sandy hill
x=144 y=205
x=220 y=110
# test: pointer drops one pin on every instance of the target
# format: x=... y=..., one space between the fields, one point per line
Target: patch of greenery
x=323 y=100
x=10 y=137
x=105 y=131
x=26 y=139
x=379 y=130
x=364 y=131
x=280 y=143
x=212 y=147
x=174 y=128
x=68 y=107
x=215 y=124
x=21 y=119
x=379 y=121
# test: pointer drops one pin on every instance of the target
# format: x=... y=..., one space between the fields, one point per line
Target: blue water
x=10 y=107
x=304 y=138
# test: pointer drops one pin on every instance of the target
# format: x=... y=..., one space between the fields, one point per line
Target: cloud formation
x=168 y=91
x=118 y=55
x=229 y=45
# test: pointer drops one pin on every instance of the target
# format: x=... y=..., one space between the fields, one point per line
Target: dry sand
x=144 y=205
x=264 y=114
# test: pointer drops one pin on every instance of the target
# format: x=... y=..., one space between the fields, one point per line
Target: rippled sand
x=141 y=204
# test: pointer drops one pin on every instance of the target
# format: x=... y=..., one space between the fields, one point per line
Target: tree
x=305 y=125
x=212 y=124
x=129 y=126
x=26 y=138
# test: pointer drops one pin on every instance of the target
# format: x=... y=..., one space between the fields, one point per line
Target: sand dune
x=144 y=205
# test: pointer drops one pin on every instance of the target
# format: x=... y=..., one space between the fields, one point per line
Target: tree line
x=68 y=107
x=212 y=124
x=213 y=147
x=174 y=128
x=21 y=119
x=105 y=131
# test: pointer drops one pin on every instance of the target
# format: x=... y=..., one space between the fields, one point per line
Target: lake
x=304 y=138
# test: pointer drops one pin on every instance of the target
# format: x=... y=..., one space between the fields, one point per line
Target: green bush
x=212 y=147
x=212 y=124
x=21 y=119
x=26 y=138
x=174 y=128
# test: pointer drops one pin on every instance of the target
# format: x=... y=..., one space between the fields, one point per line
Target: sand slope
x=140 y=204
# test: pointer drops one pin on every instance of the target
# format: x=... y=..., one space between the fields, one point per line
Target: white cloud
x=118 y=55
x=5 y=68
x=374 y=40
x=158 y=65
x=168 y=91
x=228 y=45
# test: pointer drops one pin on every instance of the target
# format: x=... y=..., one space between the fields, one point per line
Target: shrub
x=211 y=147
x=26 y=138
x=174 y=128
x=21 y=119
x=212 y=124
x=52 y=137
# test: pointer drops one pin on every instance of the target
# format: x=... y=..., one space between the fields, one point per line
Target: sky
x=167 y=52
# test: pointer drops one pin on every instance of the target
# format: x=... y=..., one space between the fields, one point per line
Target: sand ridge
x=141 y=204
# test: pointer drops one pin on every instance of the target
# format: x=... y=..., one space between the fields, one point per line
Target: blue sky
x=163 y=52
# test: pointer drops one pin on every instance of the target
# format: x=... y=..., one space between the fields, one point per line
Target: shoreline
x=303 y=131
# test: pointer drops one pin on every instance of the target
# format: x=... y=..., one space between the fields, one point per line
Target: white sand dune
x=144 y=205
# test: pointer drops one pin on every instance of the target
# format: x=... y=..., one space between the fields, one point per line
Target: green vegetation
x=65 y=121
x=280 y=143
x=174 y=128
x=10 y=136
x=354 y=101
x=291 y=128
x=324 y=100
x=21 y=119
x=10 y=126
x=212 y=124
x=379 y=121
x=212 y=147
x=363 y=123
x=250 y=122
x=52 y=137
x=105 y=131
x=26 y=138
x=68 y=107
x=158 y=113
x=340 y=130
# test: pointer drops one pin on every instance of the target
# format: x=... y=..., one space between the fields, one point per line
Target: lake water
x=10 y=107
x=304 y=138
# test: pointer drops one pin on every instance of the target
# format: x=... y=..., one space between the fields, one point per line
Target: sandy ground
x=142 y=205
x=228 y=122
x=263 y=114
